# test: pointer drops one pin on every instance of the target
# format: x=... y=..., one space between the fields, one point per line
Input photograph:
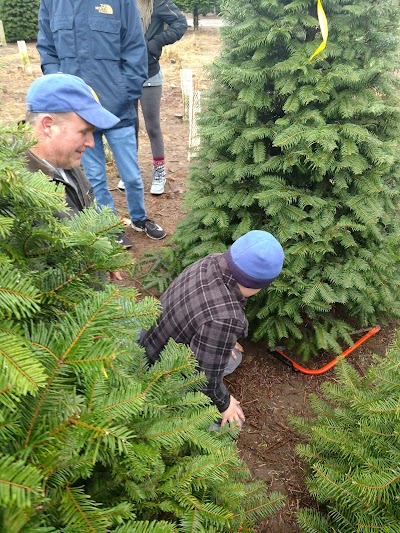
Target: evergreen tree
x=20 y=19
x=309 y=151
x=353 y=453
x=91 y=439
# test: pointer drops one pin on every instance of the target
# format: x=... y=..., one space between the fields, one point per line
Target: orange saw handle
x=278 y=353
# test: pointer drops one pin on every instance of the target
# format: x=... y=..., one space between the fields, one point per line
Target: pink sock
x=158 y=161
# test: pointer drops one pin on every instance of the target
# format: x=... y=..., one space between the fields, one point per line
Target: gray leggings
x=150 y=102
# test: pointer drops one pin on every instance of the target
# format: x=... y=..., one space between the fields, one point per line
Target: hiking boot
x=123 y=240
x=159 y=179
x=121 y=185
x=150 y=228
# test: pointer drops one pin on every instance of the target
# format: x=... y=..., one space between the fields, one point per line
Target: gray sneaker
x=159 y=179
x=123 y=240
x=150 y=228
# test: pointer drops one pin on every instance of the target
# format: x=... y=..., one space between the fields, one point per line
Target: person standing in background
x=104 y=45
x=163 y=24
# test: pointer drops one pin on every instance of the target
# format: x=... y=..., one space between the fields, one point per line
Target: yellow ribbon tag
x=323 y=22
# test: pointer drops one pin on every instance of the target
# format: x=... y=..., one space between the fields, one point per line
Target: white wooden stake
x=23 y=52
x=2 y=35
x=194 y=111
x=187 y=90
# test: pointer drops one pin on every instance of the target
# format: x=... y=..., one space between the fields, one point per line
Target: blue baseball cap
x=255 y=259
x=62 y=93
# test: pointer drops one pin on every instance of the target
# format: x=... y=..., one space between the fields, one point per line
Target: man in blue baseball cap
x=64 y=93
x=204 y=308
x=64 y=112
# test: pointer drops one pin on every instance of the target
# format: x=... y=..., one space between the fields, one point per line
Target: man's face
x=246 y=292
x=69 y=137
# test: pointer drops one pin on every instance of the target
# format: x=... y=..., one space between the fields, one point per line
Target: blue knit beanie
x=255 y=259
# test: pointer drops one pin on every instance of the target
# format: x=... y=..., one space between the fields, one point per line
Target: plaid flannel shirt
x=203 y=308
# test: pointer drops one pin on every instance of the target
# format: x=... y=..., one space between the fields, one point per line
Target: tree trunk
x=195 y=18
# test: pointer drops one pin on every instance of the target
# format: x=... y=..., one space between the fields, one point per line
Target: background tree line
x=20 y=16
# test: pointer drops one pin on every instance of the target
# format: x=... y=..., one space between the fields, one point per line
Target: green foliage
x=308 y=150
x=353 y=453
x=91 y=439
x=20 y=19
x=198 y=7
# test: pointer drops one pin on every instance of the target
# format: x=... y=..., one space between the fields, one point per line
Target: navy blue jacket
x=101 y=43
x=157 y=36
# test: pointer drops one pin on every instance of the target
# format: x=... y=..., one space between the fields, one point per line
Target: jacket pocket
x=105 y=37
x=64 y=36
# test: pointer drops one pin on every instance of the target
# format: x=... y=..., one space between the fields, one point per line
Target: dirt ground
x=268 y=390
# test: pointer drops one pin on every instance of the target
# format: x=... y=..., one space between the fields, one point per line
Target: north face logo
x=105 y=9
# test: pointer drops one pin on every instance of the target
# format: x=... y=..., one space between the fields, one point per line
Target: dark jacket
x=78 y=192
x=101 y=43
x=164 y=12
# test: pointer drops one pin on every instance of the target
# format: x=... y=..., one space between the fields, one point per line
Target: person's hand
x=234 y=413
x=115 y=276
x=237 y=347
x=154 y=49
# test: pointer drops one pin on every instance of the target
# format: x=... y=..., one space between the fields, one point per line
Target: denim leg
x=94 y=164
x=122 y=142
x=233 y=363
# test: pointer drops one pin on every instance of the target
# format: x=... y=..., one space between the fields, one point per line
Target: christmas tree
x=92 y=439
x=308 y=150
x=353 y=453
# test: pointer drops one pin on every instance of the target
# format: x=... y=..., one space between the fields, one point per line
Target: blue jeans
x=233 y=363
x=122 y=142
